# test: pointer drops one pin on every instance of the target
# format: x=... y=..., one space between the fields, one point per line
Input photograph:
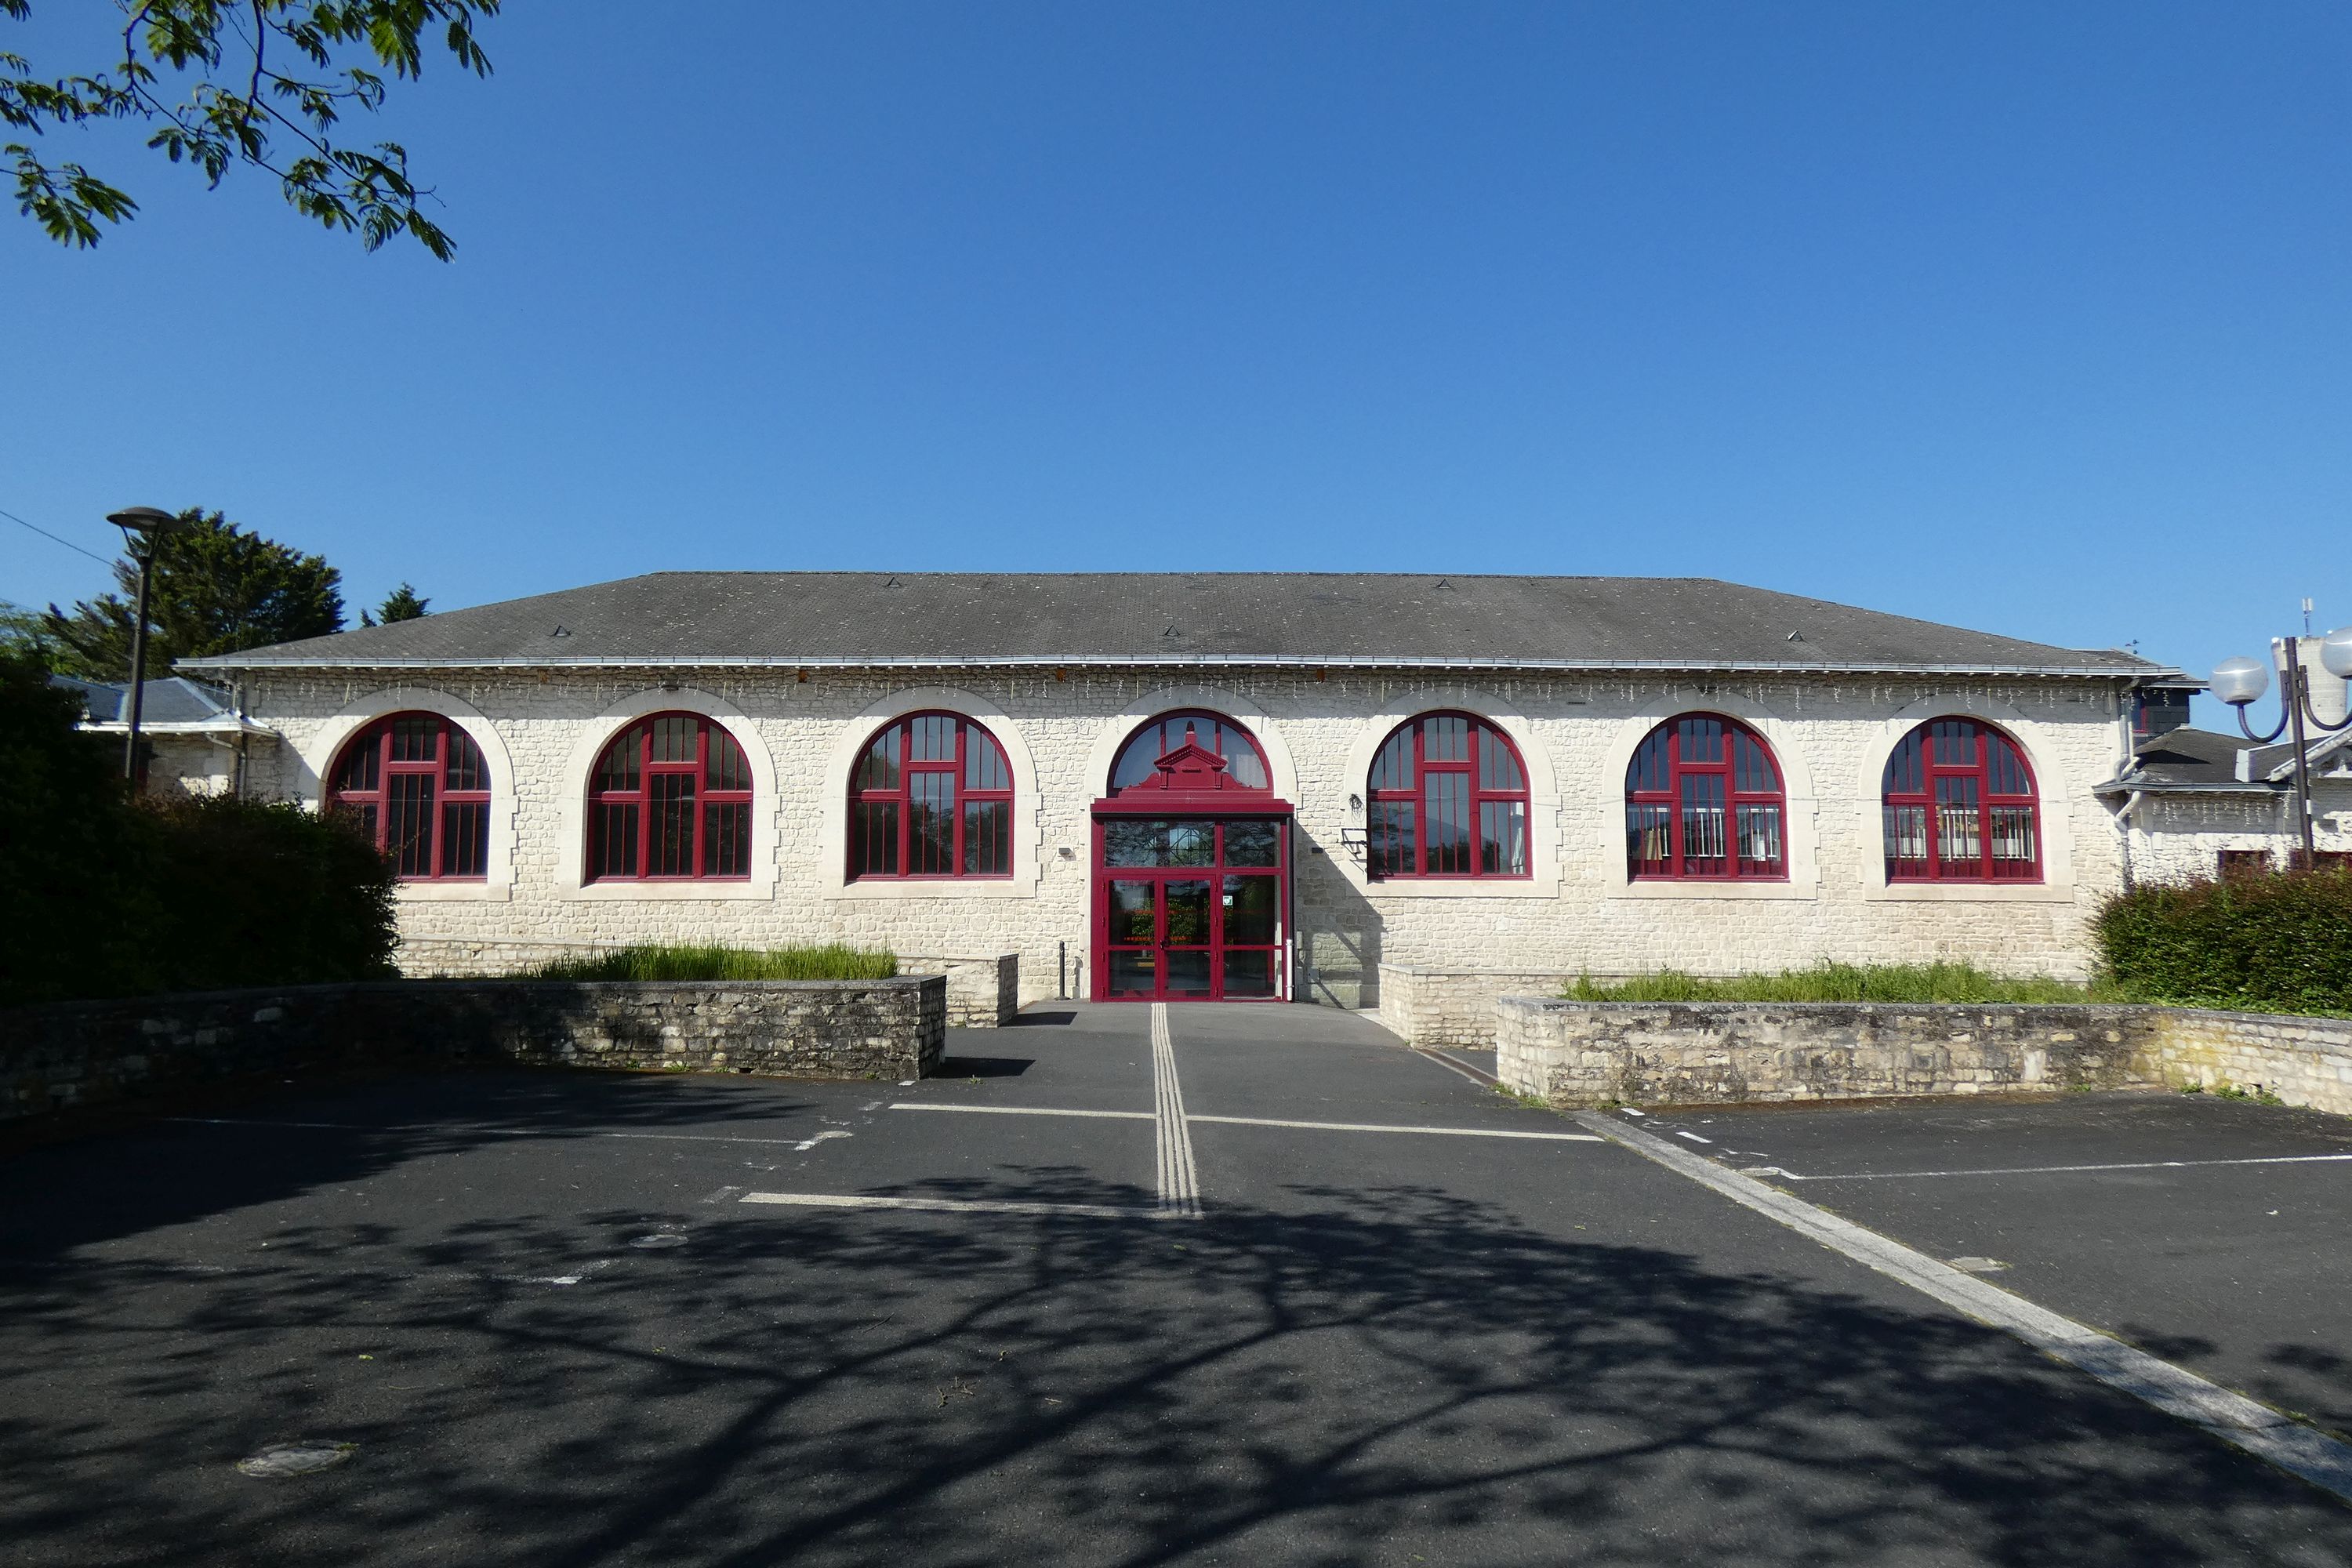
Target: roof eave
x=1278 y=661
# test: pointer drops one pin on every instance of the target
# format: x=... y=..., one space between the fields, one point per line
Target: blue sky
x=2030 y=318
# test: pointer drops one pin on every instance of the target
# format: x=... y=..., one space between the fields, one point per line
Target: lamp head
x=142 y=522
x=2336 y=653
x=2238 y=681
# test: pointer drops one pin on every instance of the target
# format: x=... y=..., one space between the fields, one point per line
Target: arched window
x=1703 y=799
x=1139 y=758
x=931 y=797
x=670 y=800
x=418 y=785
x=1960 y=805
x=1447 y=798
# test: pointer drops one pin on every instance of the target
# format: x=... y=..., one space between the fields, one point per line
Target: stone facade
x=1703 y=1053
x=540 y=730
x=2179 y=838
x=87 y=1053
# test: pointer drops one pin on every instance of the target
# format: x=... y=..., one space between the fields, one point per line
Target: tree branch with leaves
x=267 y=84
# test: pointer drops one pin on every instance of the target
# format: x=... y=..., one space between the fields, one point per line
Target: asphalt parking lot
x=1256 y=1286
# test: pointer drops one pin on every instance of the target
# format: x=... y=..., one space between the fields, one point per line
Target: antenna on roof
x=2306 y=615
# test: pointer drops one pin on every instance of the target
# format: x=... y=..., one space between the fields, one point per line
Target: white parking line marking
x=2061 y=1169
x=1180 y=1180
x=963 y=1205
x=2232 y=1418
x=1391 y=1127
x=467 y=1127
x=1023 y=1111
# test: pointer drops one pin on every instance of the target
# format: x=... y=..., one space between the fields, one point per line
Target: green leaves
x=240 y=106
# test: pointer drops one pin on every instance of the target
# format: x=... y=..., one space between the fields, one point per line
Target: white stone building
x=1219 y=785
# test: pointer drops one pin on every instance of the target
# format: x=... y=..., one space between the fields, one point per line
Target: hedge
x=105 y=895
x=2281 y=942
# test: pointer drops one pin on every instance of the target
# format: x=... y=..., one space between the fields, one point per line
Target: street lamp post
x=2241 y=681
x=143 y=528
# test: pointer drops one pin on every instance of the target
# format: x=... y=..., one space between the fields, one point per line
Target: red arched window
x=1447 y=798
x=1703 y=799
x=1960 y=805
x=418 y=785
x=1245 y=763
x=931 y=797
x=670 y=800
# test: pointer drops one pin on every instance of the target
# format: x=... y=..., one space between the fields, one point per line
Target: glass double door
x=1192 y=909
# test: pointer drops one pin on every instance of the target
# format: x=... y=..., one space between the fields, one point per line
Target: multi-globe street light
x=2241 y=681
x=143 y=528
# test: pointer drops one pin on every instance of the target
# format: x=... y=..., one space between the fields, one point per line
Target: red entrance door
x=1191 y=909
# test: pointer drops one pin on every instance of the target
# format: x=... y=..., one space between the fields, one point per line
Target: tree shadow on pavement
x=1399 y=1375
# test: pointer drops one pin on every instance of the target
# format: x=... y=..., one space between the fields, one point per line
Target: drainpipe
x=2124 y=820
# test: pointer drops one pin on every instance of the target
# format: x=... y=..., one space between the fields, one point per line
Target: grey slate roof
x=915 y=619
x=2186 y=760
x=172 y=702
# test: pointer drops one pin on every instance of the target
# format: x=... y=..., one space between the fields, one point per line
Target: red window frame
x=419 y=788
x=1246 y=763
x=1706 y=802
x=1959 y=801
x=670 y=800
x=911 y=772
x=1455 y=768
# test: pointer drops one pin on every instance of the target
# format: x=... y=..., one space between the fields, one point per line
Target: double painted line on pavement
x=1180 y=1180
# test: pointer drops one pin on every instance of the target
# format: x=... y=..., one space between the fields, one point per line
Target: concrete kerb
x=1573 y=1054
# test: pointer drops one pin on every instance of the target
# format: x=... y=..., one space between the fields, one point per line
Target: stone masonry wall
x=1454 y=1006
x=982 y=992
x=85 y=1053
x=1576 y=914
x=1640 y=1053
x=1597 y=1053
x=2303 y=1061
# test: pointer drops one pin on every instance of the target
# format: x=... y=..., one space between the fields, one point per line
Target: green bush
x=2279 y=942
x=835 y=963
x=266 y=895
x=1839 y=983
x=102 y=895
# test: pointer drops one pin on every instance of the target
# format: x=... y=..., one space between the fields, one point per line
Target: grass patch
x=1845 y=983
x=676 y=963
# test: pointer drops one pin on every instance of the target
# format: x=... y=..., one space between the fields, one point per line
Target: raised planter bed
x=88 y=1053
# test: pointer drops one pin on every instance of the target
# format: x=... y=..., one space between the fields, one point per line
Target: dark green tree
x=25 y=636
x=217 y=589
x=209 y=80
x=401 y=604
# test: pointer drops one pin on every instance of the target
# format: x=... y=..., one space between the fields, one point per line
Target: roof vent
x=893 y=582
x=1172 y=631
x=1796 y=637
x=560 y=631
x=1446 y=582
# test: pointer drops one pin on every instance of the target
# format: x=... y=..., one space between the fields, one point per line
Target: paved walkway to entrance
x=1125 y=1285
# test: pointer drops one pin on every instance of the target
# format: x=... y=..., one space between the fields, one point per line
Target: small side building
x=193 y=740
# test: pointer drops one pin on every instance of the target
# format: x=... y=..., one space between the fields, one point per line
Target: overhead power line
x=45 y=533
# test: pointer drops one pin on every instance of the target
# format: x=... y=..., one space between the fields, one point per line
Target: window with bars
x=931 y=796
x=416 y=786
x=1447 y=798
x=1703 y=801
x=1959 y=804
x=670 y=800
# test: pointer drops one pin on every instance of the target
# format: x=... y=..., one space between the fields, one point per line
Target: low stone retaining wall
x=1454 y=1007
x=84 y=1052
x=2303 y=1061
x=982 y=992
x=1716 y=1053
